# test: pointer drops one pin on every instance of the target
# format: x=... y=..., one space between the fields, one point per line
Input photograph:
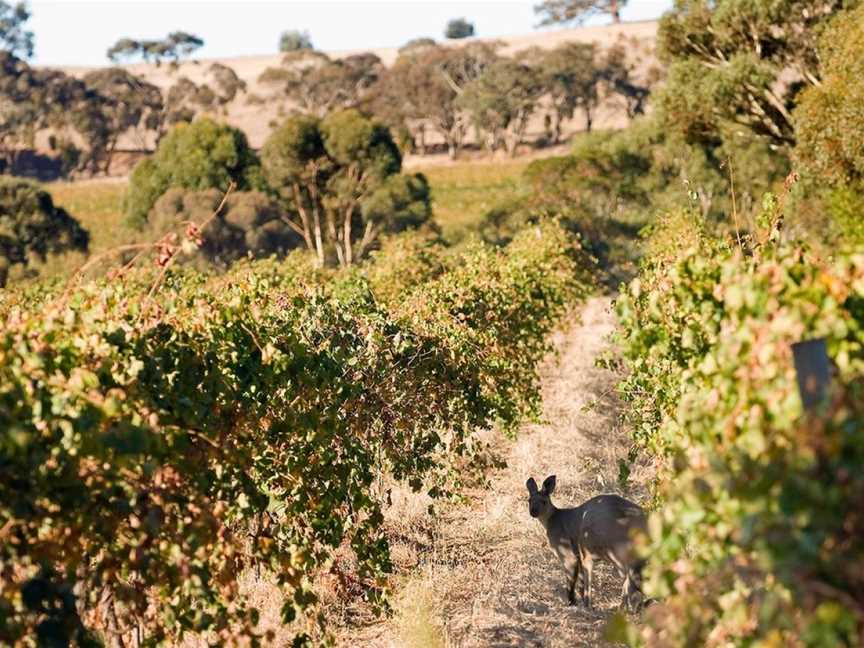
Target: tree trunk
x=589 y=120
x=616 y=14
x=109 y=153
x=334 y=234
x=512 y=145
x=346 y=235
x=319 y=241
x=304 y=217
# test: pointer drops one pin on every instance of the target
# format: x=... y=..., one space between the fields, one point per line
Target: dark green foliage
x=202 y=155
x=42 y=98
x=32 y=228
x=401 y=203
x=249 y=223
x=341 y=176
x=99 y=107
x=14 y=37
x=458 y=28
x=185 y=99
x=571 y=76
x=293 y=40
x=228 y=84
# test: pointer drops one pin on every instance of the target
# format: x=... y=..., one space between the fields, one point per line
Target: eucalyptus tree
x=424 y=84
x=32 y=227
x=341 y=177
x=501 y=101
x=176 y=46
x=127 y=103
x=458 y=28
x=317 y=84
x=571 y=76
x=741 y=63
x=565 y=11
x=294 y=40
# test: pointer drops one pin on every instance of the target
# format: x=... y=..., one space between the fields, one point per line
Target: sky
x=78 y=32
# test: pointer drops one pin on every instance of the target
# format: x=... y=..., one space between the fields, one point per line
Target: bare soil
x=482 y=573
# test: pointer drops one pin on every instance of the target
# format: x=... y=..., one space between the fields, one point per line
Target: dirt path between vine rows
x=481 y=573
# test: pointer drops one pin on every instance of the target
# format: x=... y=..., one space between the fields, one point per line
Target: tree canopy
x=565 y=11
x=202 y=155
x=32 y=99
x=293 y=40
x=570 y=75
x=501 y=100
x=176 y=46
x=317 y=84
x=829 y=118
x=185 y=98
x=458 y=28
x=14 y=37
x=740 y=62
x=127 y=102
x=341 y=177
x=249 y=223
x=424 y=84
x=32 y=227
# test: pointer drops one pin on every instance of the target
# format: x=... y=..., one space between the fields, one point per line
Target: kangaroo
x=599 y=529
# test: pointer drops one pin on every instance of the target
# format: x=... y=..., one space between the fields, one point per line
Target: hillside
x=255 y=118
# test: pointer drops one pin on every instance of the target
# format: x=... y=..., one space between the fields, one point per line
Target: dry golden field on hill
x=256 y=118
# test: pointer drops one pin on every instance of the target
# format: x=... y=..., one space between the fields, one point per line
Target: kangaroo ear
x=531 y=485
x=549 y=484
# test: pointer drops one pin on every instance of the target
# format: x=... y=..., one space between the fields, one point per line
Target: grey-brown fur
x=600 y=529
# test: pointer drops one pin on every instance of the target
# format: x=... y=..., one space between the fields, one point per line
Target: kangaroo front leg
x=587 y=572
x=570 y=562
x=573 y=571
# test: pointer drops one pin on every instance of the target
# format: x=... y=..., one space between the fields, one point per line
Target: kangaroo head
x=539 y=500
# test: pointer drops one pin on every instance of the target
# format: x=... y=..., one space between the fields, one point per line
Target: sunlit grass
x=463 y=193
x=98 y=206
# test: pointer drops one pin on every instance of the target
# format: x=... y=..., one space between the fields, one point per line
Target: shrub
x=829 y=119
x=32 y=227
x=757 y=540
x=249 y=223
x=201 y=155
x=829 y=122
